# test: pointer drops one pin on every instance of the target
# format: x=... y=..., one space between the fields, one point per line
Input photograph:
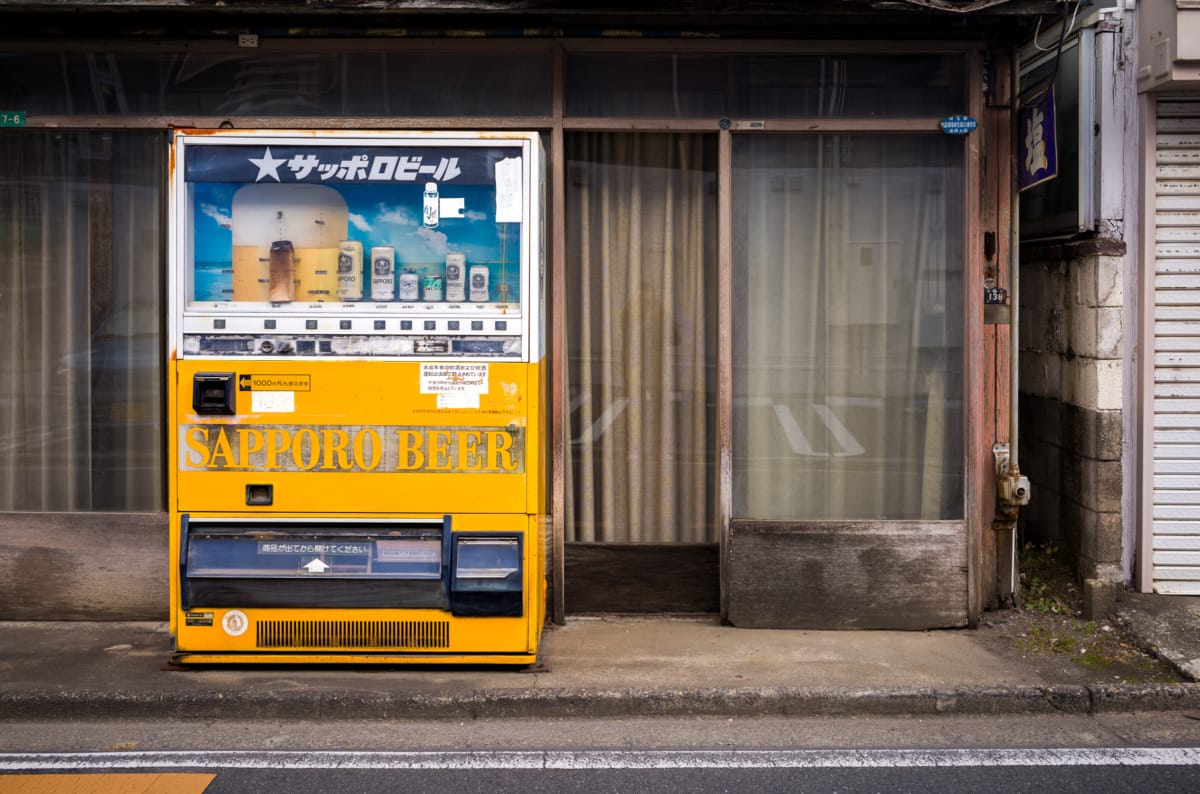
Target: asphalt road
x=485 y=772
x=1157 y=752
x=1100 y=780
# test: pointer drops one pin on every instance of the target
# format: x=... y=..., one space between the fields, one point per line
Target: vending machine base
x=383 y=659
x=401 y=590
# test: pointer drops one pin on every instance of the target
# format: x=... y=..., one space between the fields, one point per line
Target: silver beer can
x=383 y=273
x=409 y=287
x=349 y=270
x=478 y=276
x=456 y=278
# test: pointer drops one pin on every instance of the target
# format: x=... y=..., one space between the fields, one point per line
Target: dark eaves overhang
x=726 y=18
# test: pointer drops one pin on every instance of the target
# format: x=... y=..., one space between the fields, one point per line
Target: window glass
x=764 y=86
x=653 y=85
x=849 y=86
x=847 y=327
x=641 y=336
x=80 y=334
x=235 y=84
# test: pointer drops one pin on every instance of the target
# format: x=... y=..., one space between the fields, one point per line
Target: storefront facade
x=774 y=388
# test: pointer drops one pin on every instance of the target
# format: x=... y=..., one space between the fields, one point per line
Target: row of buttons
x=382 y=325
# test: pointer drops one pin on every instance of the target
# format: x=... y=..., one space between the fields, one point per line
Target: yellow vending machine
x=357 y=397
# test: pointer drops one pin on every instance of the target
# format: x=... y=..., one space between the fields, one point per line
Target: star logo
x=267 y=166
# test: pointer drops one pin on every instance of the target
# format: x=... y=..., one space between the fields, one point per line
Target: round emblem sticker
x=235 y=623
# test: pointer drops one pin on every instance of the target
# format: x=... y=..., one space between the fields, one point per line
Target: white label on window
x=273 y=402
x=508 y=190
x=454 y=379
x=458 y=400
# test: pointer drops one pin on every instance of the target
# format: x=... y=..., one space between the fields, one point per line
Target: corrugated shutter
x=1176 y=531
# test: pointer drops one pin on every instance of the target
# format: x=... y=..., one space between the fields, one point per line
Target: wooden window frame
x=554 y=126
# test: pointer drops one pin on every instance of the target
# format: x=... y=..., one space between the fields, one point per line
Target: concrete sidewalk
x=592 y=667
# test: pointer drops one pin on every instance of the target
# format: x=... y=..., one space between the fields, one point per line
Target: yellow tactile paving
x=104 y=783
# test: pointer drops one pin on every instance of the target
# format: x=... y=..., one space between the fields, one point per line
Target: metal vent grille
x=381 y=634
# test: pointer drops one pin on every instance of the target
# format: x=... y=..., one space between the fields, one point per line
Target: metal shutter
x=1176 y=487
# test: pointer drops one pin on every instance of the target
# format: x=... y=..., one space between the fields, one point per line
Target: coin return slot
x=212 y=393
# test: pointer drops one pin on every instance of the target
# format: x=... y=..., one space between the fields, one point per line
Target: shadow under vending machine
x=356 y=397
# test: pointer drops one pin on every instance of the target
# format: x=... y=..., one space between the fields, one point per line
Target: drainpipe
x=1014 y=281
x=1012 y=487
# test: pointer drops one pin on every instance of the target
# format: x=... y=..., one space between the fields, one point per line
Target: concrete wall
x=83 y=566
x=1071 y=385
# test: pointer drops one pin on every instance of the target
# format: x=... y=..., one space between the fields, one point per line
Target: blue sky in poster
x=387 y=214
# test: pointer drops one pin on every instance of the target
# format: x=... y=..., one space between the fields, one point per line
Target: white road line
x=601 y=759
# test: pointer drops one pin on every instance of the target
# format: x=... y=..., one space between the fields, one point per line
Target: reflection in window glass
x=236 y=84
x=80 y=280
x=847 y=327
x=851 y=86
x=764 y=86
x=661 y=86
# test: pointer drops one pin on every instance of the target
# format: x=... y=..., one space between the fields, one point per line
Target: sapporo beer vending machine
x=356 y=397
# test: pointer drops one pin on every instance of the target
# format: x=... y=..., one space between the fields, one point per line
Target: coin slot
x=260 y=494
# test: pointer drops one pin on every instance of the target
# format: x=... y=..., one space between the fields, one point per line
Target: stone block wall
x=1071 y=395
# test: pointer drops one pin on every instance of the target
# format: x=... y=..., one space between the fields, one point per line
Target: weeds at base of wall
x=1048 y=634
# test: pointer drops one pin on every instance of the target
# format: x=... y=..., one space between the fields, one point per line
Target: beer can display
x=433 y=287
x=282 y=272
x=383 y=273
x=349 y=270
x=429 y=205
x=410 y=287
x=456 y=278
x=478 y=275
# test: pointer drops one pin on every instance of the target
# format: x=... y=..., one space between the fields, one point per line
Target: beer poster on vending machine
x=288 y=223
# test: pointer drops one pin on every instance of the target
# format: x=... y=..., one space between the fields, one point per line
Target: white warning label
x=451 y=378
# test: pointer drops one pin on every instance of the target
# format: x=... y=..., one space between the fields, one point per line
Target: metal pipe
x=1014 y=268
x=1014 y=310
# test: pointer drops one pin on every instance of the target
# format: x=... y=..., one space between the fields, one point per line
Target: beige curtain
x=641 y=337
x=80 y=329
x=847 y=327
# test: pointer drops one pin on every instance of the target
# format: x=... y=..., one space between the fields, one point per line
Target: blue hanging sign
x=958 y=125
x=1038 y=140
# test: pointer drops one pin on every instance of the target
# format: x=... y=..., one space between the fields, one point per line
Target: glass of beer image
x=313 y=219
x=281 y=286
